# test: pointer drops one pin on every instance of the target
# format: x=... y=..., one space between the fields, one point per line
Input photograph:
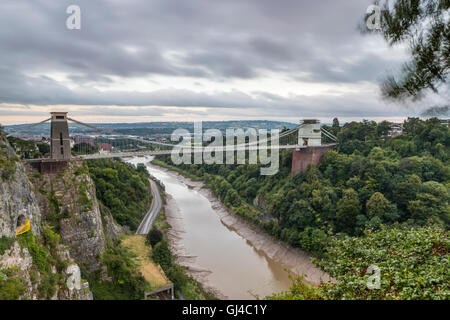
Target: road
x=147 y=222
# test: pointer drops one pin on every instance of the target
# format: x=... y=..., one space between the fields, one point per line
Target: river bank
x=294 y=260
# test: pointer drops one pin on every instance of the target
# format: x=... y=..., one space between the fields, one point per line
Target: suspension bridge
x=305 y=140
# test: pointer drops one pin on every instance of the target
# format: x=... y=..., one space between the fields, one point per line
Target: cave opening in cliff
x=21 y=220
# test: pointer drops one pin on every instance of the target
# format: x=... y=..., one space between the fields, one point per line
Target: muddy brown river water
x=220 y=251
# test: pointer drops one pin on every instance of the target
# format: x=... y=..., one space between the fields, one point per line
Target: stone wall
x=311 y=155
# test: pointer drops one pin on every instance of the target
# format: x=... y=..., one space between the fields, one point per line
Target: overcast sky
x=173 y=60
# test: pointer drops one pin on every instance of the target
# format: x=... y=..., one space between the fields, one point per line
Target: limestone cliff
x=17 y=199
x=17 y=263
x=29 y=267
x=68 y=202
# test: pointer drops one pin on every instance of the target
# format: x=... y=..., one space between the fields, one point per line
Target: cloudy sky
x=176 y=60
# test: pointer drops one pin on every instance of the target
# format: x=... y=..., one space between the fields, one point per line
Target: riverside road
x=147 y=223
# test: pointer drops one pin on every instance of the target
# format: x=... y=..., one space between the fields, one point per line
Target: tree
x=348 y=209
x=335 y=127
x=377 y=205
x=383 y=128
x=406 y=191
x=335 y=123
x=154 y=236
x=161 y=254
x=44 y=148
x=300 y=215
x=431 y=201
x=424 y=26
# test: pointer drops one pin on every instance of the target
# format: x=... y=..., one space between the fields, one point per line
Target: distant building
x=445 y=122
x=85 y=140
x=105 y=147
x=395 y=130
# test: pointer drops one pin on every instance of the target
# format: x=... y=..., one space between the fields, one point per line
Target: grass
x=152 y=272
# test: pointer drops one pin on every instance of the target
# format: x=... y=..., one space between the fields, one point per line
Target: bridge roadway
x=183 y=149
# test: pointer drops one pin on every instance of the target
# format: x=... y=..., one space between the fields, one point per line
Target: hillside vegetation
x=125 y=190
x=369 y=183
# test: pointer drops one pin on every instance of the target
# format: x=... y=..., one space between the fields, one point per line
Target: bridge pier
x=48 y=166
x=301 y=158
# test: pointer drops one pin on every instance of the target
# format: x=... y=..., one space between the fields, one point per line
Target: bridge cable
x=329 y=135
x=29 y=127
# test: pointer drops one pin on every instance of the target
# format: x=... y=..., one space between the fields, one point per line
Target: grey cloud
x=44 y=92
x=234 y=37
x=215 y=40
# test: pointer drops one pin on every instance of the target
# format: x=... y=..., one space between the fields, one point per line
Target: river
x=216 y=254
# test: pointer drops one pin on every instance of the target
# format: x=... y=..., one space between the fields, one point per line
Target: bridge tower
x=60 y=141
x=310 y=148
x=309 y=134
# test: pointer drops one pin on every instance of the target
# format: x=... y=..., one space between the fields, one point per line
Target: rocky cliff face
x=31 y=273
x=68 y=202
x=18 y=263
x=17 y=199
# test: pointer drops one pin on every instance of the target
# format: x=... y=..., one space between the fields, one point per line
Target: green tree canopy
x=424 y=26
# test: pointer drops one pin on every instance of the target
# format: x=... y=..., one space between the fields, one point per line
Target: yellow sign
x=23 y=228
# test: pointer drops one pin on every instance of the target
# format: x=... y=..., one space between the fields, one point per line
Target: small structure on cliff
x=310 y=148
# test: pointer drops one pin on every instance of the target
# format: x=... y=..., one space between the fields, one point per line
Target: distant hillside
x=142 y=128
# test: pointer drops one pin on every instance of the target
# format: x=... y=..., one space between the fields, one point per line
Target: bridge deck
x=177 y=148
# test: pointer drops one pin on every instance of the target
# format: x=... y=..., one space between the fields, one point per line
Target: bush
x=50 y=238
x=177 y=275
x=127 y=280
x=11 y=288
x=39 y=254
x=161 y=254
x=154 y=237
x=5 y=244
x=47 y=286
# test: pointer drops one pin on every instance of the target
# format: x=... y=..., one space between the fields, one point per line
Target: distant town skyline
x=168 y=60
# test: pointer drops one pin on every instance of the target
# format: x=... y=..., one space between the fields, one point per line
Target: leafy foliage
x=13 y=287
x=161 y=254
x=5 y=244
x=25 y=149
x=414 y=264
x=126 y=279
x=424 y=26
x=44 y=256
x=154 y=237
x=7 y=160
x=122 y=188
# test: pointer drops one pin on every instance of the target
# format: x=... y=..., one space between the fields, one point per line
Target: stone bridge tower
x=310 y=148
x=60 y=141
